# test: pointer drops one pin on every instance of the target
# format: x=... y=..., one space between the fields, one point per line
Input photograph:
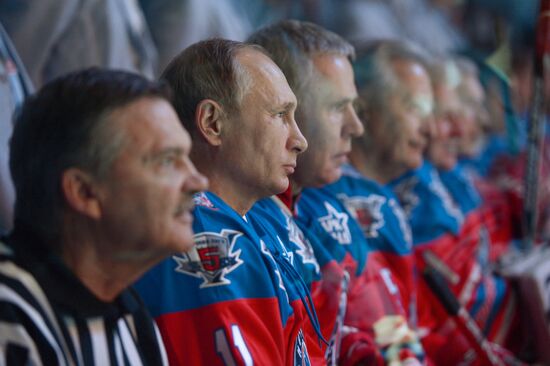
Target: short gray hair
x=375 y=77
x=292 y=44
x=373 y=69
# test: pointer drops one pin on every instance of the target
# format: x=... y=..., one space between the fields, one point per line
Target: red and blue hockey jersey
x=376 y=210
x=374 y=308
x=235 y=299
x=327 y=281
x=465 y=196
x=449 y=240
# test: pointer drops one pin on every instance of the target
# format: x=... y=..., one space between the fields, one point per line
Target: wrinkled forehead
x=150 y=123
x=412 y=75
x=414 y=86
x=332 y=76
x=256 y=66
x=262 y=77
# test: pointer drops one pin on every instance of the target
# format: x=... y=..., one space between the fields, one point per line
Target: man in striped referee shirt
x=103 y=179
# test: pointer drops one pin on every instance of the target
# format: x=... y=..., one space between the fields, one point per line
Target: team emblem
x=301 y=357
x=406 y=195
x=367 y=211
x=336 y=224
x=297 y=237
x=212 y=258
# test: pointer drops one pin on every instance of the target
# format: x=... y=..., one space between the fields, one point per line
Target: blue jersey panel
x=462 y=189
x=322 y=213
x=230 y=261
x=430 y=208
x=376 y=210
x=299 y=245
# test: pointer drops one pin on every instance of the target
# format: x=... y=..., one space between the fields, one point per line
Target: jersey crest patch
x=301 y=357
x=367 y=211
x=407 y=197
x=212 y=258
x=305 y=250
x=336 y=224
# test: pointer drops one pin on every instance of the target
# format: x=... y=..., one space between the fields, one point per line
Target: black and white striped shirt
x=48 y=317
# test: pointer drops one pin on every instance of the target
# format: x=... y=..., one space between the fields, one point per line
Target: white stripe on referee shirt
x=96 y=327
x=9 y=295
x=73 y=332
x=11 y=270
x=129 y=344
x=17 y=335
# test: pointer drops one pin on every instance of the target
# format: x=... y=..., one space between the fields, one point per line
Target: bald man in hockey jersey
x=317 y=65
x=361 y=187
x=237 y=298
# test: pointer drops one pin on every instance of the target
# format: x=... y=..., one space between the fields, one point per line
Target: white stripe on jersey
x=9 y=295
x=73 y=332
x=118 y=349
x=17 y=335
x=163 y=353
x=96 y=327
x=129 y=343
x=131 y=324
x=27 y=280
x=40 y=312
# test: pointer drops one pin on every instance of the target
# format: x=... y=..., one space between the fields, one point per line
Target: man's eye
x=167 y=160
x=281 y=114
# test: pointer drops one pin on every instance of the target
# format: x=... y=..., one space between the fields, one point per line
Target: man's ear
x=80 y=192
x=209 y=118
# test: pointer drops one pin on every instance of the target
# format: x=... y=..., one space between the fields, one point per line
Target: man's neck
x=93 y=260
x=372 y=168
x=220 y=182
x=237 y=197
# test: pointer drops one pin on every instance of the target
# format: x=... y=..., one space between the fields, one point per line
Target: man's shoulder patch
x=212 y=258
x=335 y=223
x=405 y=192
x=367 y=210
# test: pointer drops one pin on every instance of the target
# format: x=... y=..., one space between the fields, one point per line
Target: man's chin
x=329 y=177
x=278 y=188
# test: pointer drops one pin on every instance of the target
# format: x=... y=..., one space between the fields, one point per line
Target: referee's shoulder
x=26 y=321
x=18 y=287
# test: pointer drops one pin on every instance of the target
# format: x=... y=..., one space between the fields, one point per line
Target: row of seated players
x=362 y=227
x=346 y=259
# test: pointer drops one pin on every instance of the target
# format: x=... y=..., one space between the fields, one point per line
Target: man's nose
x=352 y=124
